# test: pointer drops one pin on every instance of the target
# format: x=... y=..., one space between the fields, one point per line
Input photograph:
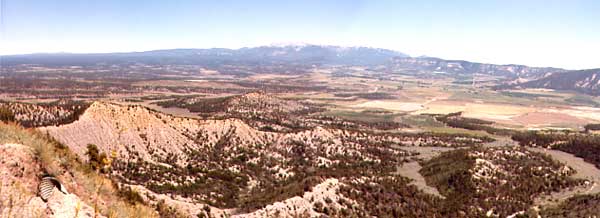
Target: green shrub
x=97 y=160
x=592 y=126
x=130 y=195
x=6 y=115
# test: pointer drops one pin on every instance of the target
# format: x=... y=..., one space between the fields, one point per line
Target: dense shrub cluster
x=592 y=127
x=457 y=121
x=578 y=206
x=205 y=105
x=43 y=114
x=478 y=181
x=364 y=154
x=255 y=108
x=586 y=146
x=341 y=123
x=6 y=115
x=388 y=196
x=370 y=96
x=97 y=160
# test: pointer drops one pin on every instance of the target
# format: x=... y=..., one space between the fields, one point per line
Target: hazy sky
x=562 y=33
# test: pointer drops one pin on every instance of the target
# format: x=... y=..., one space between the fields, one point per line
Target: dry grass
x=92 y=188
x=17 y=202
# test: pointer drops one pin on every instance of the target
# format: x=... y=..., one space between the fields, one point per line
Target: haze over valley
x=297 y=130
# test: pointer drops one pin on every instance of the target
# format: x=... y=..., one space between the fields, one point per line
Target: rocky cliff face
x=137 y=132
x=126 y=129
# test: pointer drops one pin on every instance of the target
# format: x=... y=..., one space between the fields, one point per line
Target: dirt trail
x=411 y=170
x=584 y=170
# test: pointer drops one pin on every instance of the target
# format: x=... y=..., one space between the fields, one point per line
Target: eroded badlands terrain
x=247 y=163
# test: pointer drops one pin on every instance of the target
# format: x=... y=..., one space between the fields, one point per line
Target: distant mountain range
x=289 y=54
x=430 y=64
x=519 y=76
x=304 y=54
x=584 y=81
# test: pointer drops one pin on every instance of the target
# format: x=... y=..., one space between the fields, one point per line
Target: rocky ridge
x=225 y=163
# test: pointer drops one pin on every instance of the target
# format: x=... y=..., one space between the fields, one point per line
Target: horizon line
x=230 y=48
x=281 y=45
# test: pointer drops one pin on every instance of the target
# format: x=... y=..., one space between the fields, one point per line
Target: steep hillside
x=127 y=129
x=26 y=155
x=583 y=81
